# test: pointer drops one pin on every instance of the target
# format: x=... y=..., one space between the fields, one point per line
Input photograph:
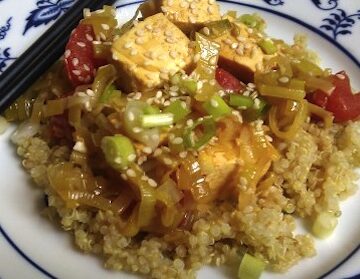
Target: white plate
x=31 y=247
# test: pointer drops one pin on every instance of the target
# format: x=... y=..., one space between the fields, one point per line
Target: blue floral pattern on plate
x=47 y=10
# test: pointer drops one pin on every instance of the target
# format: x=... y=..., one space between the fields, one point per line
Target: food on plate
x=185 y=138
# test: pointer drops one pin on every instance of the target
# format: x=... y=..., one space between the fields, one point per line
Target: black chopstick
x=43 y=53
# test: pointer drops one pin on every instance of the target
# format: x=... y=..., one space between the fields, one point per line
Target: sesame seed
x=148 y=27
x=67 y=53
x=90 y=93
x=173 y=54
x=168 y=161
x=96 y=42
x=80 y=147
x=81 y=44
x=152 y=182
x=177 y=140
x=212 y=82
x=164 y=70
x=340 y=76
x=155 y=137
x=147 y=150
x=105 y=26
x=86 y=67
x=170 y=40
x=214 y=103
x=209 y=9
x=137 y=130
x=157 y=152
x=168 y=33
x=158 y=94
x=243 y=181
x=156 y=30
x=87 y=12
x=166 y=103
x=131 y=157
x=183 y=105
x=164 y=76
x=131 y=116
x=211 y=2
x=213 y=60
x=139 y=41
x=137 y=96
x=253 y=52
x=164 y=9
x=248 y=46
x=197 y=57
x=284 y=79
x=192 y=19
x=234 y=45
x=162 y=57
x=184 y=4
x=133 y=52
x=76 y=72
x=147 y=62
x=89 y=37
x=140 y=32
x=199 y=85
x=189 y=122
x=256 y=103
x=144 y=178
x=123 y=176
x=183 y=154
x=240 y=39
x=270 y=139
x=75 y=61
x=128 y=45
x=118 y=160
x=131 y=173
x=206 y=31
x=228 y=41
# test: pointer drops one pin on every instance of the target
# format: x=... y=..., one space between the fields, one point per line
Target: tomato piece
x=228 y=81
x=342 y=102
x=79 y=55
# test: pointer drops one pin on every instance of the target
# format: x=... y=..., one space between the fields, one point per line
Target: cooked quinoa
x=315 y=173
x=199 y=141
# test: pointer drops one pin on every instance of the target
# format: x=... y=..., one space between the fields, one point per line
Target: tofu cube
x=240 y=54
x=187 y=15
x=150 y=52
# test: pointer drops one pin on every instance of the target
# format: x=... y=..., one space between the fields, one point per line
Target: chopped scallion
x=250 y=267
x=179 y=109
x=118 y=150
x=281 y=92
x=241 y=101
x=157 y=120
x=216 y=107
x=324 y=224
x=195 y=141
x=268 y=46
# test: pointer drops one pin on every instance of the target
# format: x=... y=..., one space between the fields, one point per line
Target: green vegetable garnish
x=118 y=150
x=324 y=224
x=157 y=120
x=250 y=267
x=241 y=101
x=268 y=46
x=253 y=21
x=179 y=109
x=192 y=139
x=216 y=107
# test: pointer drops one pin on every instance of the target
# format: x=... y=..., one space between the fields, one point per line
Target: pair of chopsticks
x=43 y=53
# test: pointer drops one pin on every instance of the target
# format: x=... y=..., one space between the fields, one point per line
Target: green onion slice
x=216 y=107
x=179 y=109
x=118 y=150
x=250 y=267
x=241 y=101
x=157 y=120
x=192 y=139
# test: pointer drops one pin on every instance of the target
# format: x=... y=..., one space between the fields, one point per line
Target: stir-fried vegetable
x=178 y=109
x=118 y=151
x=216 y=107
x=250 y=267
x=196 y=139
x=324 y=224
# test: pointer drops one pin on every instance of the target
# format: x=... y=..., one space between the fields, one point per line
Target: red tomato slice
x=228 y=81
x=342 y=102
x=79 y=55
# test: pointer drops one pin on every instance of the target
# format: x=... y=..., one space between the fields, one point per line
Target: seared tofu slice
x=187 y=15
x=240 y=53
x=150 y=52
